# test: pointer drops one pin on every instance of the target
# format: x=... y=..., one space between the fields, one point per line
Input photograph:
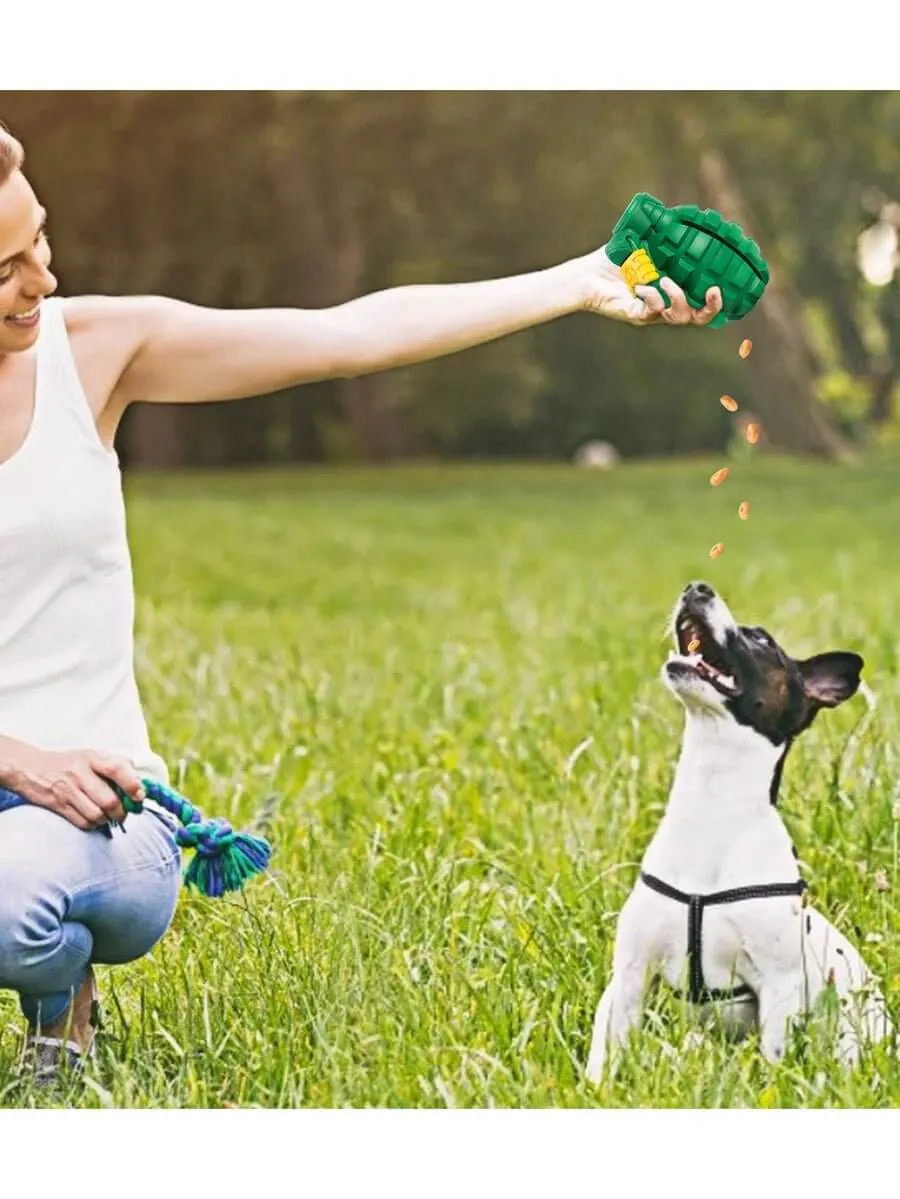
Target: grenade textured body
x=697 y=248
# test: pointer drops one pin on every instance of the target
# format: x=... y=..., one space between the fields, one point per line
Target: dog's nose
x=699 y=591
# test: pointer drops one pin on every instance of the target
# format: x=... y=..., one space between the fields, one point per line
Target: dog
x=720 y=902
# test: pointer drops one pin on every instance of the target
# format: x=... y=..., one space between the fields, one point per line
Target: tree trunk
x=881 y=406
x=366 y=401
x=154 y=437
x=780 y=377
x=320 y=189
x=375 y=424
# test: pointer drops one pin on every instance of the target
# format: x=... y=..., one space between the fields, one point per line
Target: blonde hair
x=11 y=154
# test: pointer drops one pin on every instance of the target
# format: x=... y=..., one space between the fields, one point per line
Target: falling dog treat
x=717 y=478
x=745 y=347
x=694 y=646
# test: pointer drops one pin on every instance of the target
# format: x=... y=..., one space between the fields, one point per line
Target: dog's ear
x=831 y=678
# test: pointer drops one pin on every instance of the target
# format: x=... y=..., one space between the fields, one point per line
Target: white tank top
x=66 y=587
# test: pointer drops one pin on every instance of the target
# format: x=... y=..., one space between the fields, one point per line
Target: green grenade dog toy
x=696 y=248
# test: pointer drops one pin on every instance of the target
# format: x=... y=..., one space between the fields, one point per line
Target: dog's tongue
x=708 y=671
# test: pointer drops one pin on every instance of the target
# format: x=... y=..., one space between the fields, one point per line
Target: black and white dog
x=719 y=907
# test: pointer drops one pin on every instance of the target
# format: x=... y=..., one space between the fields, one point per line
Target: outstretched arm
x=181 y=353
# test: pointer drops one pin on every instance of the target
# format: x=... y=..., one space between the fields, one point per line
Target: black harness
x=698 y=992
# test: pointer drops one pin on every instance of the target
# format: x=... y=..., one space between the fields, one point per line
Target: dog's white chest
x=717 y=924
x=713 y=949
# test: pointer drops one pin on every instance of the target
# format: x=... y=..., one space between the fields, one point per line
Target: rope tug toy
x=223 y=860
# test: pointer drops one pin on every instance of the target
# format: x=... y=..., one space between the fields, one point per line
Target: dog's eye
x=761 y=637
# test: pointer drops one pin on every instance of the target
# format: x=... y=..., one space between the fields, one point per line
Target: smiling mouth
x=701 y=655
x=24 y=319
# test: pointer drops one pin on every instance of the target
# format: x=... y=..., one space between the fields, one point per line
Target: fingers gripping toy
x=696 y=248
x=224 y=860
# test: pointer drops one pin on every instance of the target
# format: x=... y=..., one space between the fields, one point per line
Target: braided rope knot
x=209 y=838
x=223 y=860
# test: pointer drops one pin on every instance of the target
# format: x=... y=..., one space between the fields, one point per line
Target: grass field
x=447 y=679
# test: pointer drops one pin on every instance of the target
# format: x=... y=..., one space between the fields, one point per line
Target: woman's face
x=25 y=278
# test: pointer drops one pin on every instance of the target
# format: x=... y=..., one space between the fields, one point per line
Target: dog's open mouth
x=703 y=656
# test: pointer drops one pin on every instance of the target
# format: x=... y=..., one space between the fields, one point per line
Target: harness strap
x=698 y=991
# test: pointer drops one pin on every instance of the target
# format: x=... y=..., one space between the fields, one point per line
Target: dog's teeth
x=727 y=680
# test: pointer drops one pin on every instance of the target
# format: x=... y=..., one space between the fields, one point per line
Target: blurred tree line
x=311 y=198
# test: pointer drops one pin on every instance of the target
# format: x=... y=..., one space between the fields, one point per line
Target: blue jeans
x=69 y=898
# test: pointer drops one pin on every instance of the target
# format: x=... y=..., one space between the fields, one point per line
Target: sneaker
x=64 y=1047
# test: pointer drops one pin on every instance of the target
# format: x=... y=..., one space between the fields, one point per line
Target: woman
x=71 y=893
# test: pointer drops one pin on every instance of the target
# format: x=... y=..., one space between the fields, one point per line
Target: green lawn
x=447 y=678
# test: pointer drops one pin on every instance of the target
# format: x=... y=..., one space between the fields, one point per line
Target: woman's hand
x=607 y=293
x=71 y=783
